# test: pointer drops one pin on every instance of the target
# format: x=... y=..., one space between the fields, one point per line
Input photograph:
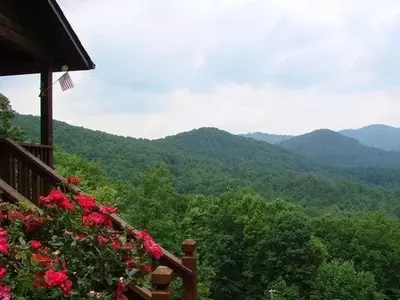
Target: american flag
x=66 y=82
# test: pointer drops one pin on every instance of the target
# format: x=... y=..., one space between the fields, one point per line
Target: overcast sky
x=278 y=66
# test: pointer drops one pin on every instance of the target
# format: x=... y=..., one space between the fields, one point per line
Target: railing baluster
x=7 y=168
x=14 y=166
x=35 y=188
x=23 y=180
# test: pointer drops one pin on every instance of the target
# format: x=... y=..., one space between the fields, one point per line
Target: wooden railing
x=19 y=174
x=24 y=175
x=42 y=152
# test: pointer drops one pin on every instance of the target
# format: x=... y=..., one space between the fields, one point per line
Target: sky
x=277 y=66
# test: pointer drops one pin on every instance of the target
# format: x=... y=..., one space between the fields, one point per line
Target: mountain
x=236 y=233
x=222 y=159
x=269 y=138
x=378 y=136
x=209 y=161
x=331 y=148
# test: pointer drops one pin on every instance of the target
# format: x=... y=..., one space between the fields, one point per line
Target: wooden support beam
x=46 y=110
x=11 y=24
x=17 y=35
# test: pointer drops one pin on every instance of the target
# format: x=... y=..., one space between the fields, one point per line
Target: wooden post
x=46 y=111
x=189 y=261
x=5 y=164
x=161 y=279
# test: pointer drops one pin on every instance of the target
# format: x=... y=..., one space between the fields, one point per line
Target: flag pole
x=64 y=68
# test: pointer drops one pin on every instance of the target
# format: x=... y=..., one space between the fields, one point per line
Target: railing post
x=3 y=155
x=161 y=279
x=5 y=163
x=189 y=261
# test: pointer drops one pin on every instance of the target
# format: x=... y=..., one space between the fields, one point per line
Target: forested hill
x=267 y=137
x=202 y=148
x=331 y=148
x=376 y=135
x=208 y=161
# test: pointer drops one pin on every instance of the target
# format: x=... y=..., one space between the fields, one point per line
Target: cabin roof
x=36 y=35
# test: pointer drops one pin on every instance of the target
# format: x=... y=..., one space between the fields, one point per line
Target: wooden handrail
x=11 y=194
x=184 y=269
x=140 y=291
x=36 y=145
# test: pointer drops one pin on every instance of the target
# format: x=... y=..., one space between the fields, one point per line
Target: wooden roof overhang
x=35 y=34
x=36 y=37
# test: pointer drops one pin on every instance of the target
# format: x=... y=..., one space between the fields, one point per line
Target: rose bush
x=69 y=249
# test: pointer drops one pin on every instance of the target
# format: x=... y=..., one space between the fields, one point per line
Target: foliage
x=54 y=252
x=248 y=244
x=263 y=218
x=336 y=280
x=7 y=128
x=210 y=161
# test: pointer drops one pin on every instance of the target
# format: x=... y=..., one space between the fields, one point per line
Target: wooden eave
x=36 y=34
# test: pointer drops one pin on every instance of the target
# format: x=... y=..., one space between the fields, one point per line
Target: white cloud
x=239 y=108
x=286 y=66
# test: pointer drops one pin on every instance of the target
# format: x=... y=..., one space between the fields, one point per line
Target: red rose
x=32 y=222
x=5 y=292
x=67 y=205
x=153 y=248
x=108 y=210
x=96 y=218
x=35 y=244
x=38 y=280
x=66 y=287
x=107 y=222
x=130 y=245
x=53 y=197
x=73 y=180
x=121 y=287
x=129 y=263
x=15 y=215
x=55 y=278
x=143 y=234
x=85 y=201
x=145 y=268
x=3 y=272
x=101 y=239
x=47 y=261
x=116 y=244
x=86 y=221
x=4 y=246
x=3 y=232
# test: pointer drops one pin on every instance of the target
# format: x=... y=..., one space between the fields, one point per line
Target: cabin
x=36 y=38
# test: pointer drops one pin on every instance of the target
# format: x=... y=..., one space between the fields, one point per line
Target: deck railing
x=25 y=174
x=42 y=152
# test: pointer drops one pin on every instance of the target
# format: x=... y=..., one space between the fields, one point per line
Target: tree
x=340 y=281
x=7 y=128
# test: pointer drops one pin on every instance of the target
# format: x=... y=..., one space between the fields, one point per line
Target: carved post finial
x=161 y=279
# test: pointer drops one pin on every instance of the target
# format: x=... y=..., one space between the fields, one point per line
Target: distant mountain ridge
x=332 y=148
x=270 y=138
x=376 y=135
